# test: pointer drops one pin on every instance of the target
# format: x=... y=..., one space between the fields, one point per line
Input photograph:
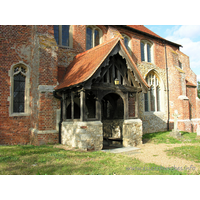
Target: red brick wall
x=15 y=46
x=35 y=46
x=191 y=94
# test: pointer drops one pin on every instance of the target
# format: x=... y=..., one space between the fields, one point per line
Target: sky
x=186 y=35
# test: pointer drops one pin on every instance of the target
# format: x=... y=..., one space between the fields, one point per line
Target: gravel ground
x=154 y=153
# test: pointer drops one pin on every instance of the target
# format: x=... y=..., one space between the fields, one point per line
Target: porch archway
x=112 y=109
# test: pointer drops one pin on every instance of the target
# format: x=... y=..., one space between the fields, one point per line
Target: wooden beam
x=64 y=106
x=126 y=114
x=137 y=105
x=123 y=73
x=136 y=84
x=82 y=106
x=72 y=105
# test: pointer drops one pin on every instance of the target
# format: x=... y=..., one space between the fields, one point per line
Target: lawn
x=163 y=137
x=47 y=160
x=186 y=152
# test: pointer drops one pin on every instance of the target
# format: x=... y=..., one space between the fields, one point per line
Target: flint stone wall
x=83 y=135
x=113 y=128
x=132 y=132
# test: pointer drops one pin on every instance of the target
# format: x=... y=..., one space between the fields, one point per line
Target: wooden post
x=98 y=107
x=126 y=114
x=72 y=105
x=64 y=106
x=136 y=105
x=118 y=76
x=82 y=105
x=108 y=77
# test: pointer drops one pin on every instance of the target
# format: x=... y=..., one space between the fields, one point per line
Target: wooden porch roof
x=86 y=64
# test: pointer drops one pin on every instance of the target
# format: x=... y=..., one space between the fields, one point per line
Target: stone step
x=121 y=150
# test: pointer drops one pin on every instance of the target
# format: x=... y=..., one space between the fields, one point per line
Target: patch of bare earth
x=155 y=153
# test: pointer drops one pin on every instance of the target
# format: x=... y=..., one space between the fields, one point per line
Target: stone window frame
x=147 y=42
x=70 y=37
x=180 y=64
x=93 y=27
x=161 y=85
x=129 y=42
x=27 y=111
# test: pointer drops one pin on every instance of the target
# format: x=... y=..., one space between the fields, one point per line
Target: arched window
x=127 y=42
x=19 y=97
x=93 y=37
x=63 y=35
x=146 y=51
x=152 y=97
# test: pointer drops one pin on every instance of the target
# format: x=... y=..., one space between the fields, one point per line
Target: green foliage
x=198 y=89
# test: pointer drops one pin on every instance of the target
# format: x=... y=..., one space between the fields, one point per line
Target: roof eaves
x=123 y=46
x=117 y=38
x=160 y=38
x=104 y=56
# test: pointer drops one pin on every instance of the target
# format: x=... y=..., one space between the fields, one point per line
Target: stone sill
x=19 y=114
x=93 y=123
x=65 y=47
x=182 y=97
x=33 y=130
x=154 y=113
x=129 y=121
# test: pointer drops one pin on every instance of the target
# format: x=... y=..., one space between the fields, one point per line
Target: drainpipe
x=61 y=111
x=168 y=114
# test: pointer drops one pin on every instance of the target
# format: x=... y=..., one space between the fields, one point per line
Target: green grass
x=44 y=160
x=163 y=137
x=186 y=152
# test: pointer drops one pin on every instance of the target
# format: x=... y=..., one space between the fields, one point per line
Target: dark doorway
x=112 y=109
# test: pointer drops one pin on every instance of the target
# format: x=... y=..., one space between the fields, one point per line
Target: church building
x=88 y=86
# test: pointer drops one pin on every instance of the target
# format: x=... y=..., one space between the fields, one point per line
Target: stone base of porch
x=83 y=135
x=132 y=132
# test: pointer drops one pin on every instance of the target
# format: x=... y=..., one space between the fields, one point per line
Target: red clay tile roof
x=144 y=29
x=85 y=64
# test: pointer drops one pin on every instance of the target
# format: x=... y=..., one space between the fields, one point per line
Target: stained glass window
x=152 y=97
x=89 y=39
x=65 y=35
x=56 y=33
x=148 y=53
x=96 y=37
x=92 y=37
x=142 y=52
x=19 y=90
x=61 y=34
x=126 y=43
x=158 y=97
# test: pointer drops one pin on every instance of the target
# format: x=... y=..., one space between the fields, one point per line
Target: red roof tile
x=85 y=64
